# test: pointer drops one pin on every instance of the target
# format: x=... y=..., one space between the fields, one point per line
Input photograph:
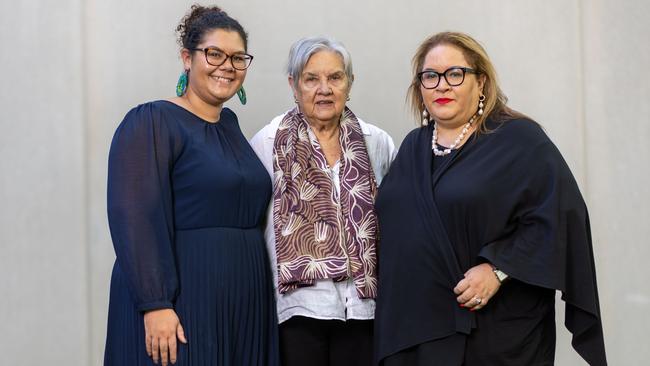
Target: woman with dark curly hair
x=191 y=283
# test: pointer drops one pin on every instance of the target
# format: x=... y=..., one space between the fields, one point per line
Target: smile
x=222 y=79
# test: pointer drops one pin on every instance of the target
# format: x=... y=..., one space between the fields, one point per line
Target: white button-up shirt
x=326 y=299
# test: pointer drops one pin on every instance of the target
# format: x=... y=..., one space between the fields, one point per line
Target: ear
x=186 y=57
x=293 y=87
x=481 y=82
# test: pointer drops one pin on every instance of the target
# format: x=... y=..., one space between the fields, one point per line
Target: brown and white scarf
x=318 y=234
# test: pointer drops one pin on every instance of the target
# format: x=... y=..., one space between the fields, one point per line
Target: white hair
x=304 y=48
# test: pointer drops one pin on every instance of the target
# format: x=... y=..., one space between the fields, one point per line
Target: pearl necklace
x=434 y=139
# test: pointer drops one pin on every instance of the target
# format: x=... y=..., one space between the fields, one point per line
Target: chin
x=222 y=90
x=218 y=99
x=442 y=118
x=223 y=95
x=328 y=117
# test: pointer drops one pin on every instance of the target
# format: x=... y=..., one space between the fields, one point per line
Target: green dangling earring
x=181 y=85
x=241 y=93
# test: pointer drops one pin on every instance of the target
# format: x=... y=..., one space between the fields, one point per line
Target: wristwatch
x=501 y=276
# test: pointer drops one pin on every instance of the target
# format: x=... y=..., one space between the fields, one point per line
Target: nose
x=324 y=87
x=227 y=65
x=443 y=84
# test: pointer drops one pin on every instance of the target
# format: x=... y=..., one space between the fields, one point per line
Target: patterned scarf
x=318 y=234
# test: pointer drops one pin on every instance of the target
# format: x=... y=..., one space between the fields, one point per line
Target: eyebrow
x=217 y=48
x=450 y=67
x=339 y=72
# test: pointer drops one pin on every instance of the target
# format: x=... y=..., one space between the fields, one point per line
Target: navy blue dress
x=186 y=200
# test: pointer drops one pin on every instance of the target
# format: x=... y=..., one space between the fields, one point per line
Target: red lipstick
x=443 y=100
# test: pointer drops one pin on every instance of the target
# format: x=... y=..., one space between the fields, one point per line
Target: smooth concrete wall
x=72 y=71
x=44 y=312
x=617 y=158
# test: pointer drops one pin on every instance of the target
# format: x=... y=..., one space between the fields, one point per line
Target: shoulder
x=416 y=135
x=268 y=131
x=228 y=114
x=140 y=117
x=376 y=135
x=380 y=148
x=523 y=130
x=516 y=136
x=263 y=141
x=149 y=115
x=142 y=111
x=414 y=143
x=370 y=129
x=147 y=122
x=156 y=107
x=523 y=141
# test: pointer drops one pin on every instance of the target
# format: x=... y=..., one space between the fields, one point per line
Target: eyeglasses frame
x=228 y=56
x=464 y=69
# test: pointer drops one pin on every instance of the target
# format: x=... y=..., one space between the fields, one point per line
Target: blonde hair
x=495 y=101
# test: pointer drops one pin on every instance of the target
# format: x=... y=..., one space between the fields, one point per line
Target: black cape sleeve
x=551 y=245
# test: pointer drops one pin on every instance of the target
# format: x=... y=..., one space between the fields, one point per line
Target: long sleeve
x=140 y=207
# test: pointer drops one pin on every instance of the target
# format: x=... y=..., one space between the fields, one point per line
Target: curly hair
x=201 y=19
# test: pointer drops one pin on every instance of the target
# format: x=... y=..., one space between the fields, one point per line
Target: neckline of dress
x=215 y=123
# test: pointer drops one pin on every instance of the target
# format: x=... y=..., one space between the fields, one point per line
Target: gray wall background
x=72 y=69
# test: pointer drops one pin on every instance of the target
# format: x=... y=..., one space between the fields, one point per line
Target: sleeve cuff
x=155 y=305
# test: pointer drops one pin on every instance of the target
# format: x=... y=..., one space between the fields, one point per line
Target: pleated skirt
x=226 y=303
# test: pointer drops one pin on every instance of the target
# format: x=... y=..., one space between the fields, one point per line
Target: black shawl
x=506 y=197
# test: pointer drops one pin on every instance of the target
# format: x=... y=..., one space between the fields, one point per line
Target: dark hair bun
x=201 y=19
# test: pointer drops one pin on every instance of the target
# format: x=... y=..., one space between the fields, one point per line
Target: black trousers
x=313 y=342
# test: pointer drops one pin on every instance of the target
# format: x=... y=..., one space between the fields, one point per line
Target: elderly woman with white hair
x=326 y=164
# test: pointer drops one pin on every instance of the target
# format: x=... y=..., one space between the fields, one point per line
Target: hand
x=161 y=328
x=479 y=283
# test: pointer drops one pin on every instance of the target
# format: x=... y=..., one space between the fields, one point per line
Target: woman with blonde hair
x=481 y=222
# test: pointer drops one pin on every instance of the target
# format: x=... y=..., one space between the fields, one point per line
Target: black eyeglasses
x=217 y=57
x=453 y=75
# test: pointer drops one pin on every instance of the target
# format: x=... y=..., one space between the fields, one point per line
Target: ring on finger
x=478 y=301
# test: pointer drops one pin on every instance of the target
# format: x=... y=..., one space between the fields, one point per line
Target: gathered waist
x=219 y=234
x=227 y=228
